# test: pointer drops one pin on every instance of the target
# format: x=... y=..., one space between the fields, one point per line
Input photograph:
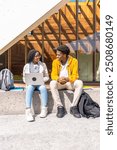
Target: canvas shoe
x=44 y=112
x=29 y=116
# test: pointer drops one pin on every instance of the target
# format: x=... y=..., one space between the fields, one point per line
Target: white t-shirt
x=64 y=71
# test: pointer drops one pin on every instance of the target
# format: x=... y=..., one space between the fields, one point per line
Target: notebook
x=34 y=79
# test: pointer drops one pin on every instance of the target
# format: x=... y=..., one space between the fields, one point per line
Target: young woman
x=34 y=65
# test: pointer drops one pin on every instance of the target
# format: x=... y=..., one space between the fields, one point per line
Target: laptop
x=34 y=79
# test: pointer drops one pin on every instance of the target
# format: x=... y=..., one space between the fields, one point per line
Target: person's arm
x=46 y=75
x=55 y=70
x=25 y=70
x=74 y=75
x=24 y=73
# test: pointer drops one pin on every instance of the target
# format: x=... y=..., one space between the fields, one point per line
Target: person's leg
x=29 y=93
x=55 y=86
x=78 y=86
x=44 y=100
x=44 y=95
x=69 y=86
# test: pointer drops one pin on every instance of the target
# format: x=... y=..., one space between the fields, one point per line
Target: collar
x=69 y=60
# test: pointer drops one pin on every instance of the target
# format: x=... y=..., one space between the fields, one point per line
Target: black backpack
x=87 y=107
x=6 y=80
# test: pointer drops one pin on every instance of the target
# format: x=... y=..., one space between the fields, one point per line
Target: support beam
x=9 y=59
x=94 y=38
x=60 y=27
x=43 y=42
x=77 y=1
x=26 y=51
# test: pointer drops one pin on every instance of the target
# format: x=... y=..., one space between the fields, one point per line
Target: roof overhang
x=18 y=18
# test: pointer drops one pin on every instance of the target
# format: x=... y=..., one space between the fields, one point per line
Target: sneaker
x=44 y=112
x=29 y=116
x=60 y=112
x=74 y=112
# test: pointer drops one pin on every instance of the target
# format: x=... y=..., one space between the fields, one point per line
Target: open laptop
x=34 y=79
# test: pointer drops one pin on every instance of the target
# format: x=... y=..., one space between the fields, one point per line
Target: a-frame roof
x=19 y=17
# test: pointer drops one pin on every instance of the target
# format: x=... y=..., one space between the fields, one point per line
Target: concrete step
x=13 y=102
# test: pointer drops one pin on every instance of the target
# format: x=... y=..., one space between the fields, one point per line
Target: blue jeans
x=29 y=94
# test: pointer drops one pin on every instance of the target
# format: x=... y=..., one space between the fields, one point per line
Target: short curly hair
x=31 y=55
x=64 y=49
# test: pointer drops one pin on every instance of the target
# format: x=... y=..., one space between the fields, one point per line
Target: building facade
x=77 y=25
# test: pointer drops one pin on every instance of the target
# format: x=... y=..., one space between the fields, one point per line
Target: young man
x=65 y=76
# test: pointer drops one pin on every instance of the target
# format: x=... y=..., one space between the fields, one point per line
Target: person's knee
x=53 y=84
x=30 y=88
x=68 y=84
x=78 y=83
x=42 y=88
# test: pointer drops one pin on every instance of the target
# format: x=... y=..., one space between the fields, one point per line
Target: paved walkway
x=50 y=133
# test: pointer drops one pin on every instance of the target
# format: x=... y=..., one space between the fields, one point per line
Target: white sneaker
x=44 y=112
x=29 y=116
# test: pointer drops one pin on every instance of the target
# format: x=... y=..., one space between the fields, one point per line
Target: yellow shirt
x=72 y=69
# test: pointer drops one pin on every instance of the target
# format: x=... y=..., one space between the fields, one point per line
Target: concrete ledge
x=13 y=102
